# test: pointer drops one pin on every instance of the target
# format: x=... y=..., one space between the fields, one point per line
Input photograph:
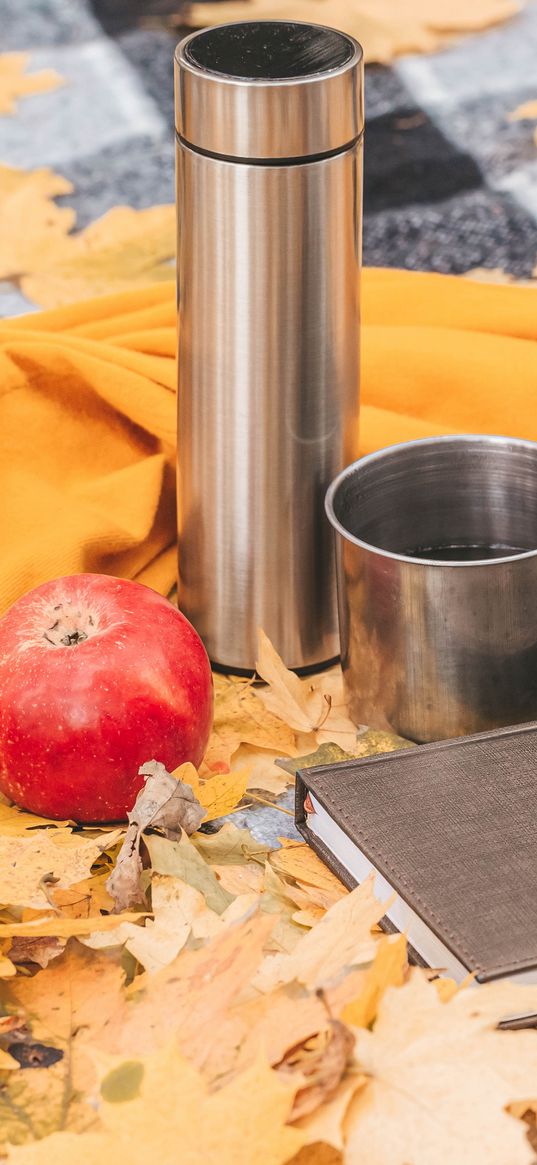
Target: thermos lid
x=269 y=90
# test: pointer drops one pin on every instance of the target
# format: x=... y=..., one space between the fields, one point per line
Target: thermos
x=269 y=118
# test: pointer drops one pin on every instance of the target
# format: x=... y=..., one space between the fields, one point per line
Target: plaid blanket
x=450 y=183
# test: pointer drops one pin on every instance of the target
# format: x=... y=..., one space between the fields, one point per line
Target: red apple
x=97 y=675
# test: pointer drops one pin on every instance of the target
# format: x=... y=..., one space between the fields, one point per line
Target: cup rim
x=381 y=454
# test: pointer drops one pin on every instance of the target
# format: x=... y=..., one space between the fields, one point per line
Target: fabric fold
x=87 y=411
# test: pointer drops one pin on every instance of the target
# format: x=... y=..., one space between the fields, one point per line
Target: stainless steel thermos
x=269 y=145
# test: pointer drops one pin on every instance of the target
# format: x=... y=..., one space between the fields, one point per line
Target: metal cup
x=436 y=545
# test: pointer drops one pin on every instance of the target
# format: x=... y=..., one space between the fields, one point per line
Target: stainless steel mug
x=269 y=125
x=437 y=574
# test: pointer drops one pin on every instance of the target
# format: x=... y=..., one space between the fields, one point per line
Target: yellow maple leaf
x=239 y=718
x=33 y=230
x=315 y=707
x=295 y=859
x=122 y=250
x=297 y=702
x=179 y=912
x=219 y=794
x=66 y=1007
x=160 y=1109
x=441 y=1076
x=387 y=970
x=385 y=28
x=14 y=83
x=59 y=857
x=341 y=939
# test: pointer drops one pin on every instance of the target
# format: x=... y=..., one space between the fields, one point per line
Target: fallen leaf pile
x=176 y=989
x=385 y=28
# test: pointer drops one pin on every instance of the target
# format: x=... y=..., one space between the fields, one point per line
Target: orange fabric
x=87 y=411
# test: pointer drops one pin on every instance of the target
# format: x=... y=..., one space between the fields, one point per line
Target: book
x=451 y=828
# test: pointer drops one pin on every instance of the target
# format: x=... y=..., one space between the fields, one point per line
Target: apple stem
x=69 y=628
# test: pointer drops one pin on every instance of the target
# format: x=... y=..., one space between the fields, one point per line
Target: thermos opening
x=270 y=50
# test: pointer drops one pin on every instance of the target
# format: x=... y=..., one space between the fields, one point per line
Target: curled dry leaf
x=41 y=951
x=16 y=83
x=165 y=803
x=320 y=1061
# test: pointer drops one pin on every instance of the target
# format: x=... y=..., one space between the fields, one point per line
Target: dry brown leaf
x=40 y=951
x=388 y=970
x=122 y=250
x=321 y=1062
x=33 y=230
x=15 y=82
x=163 y=1111
x=342 y=939
x=164 y=802
x=239 y=718
x=57 y=857
x=385 y=28
x=441 y=1078
x=263 y=772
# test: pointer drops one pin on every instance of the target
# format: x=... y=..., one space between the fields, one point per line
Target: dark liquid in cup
x=465 y=553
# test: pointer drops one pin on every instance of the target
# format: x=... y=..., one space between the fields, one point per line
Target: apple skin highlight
x=97 y=675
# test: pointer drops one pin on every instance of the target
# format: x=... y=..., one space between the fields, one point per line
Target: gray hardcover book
x=452 y=828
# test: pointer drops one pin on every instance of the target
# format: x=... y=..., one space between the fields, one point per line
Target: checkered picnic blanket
x=450 y=183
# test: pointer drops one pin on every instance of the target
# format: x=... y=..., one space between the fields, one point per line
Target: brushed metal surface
x=434 y=648
x=268 y=277
x=257 y=118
